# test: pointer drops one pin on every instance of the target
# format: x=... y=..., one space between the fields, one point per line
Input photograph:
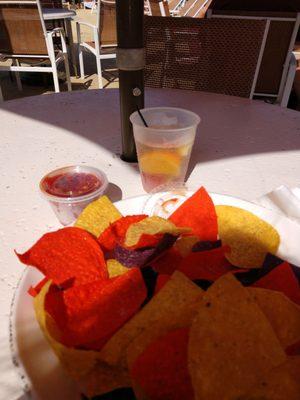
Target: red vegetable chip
x=161 y=371
x=35 y=290
x=116 y=231
x=92 y=312
x=168 y=262
x=198 y=213
x=293 y=350
x=69 y=253
x=147 y=240
x=208 y=265
x=282 y=279
x=161 y=280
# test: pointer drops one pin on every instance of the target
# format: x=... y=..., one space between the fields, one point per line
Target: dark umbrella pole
x=130 y=62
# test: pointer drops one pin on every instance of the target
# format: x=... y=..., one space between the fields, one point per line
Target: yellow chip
x=115 y=268
x=77 y=363
x=249 y=237
x=151 y=226
x=231 y=344
x=281 y=383
x=282 y=313
x=97 y=216
x=171 y=308
x=185 y=244
x=183 y=317
x=103 y=379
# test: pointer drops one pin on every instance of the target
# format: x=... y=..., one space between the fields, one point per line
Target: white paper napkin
x=286 y=204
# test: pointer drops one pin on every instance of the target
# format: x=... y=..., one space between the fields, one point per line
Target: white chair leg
x=80 y=52
x=289 y=82
x=99 y=72
x=81 y=64
x=18 y=79
x=1 y=94
x=55 y=76
x=67 y=68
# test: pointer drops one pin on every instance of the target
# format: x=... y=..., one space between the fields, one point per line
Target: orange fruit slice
x=160 y=162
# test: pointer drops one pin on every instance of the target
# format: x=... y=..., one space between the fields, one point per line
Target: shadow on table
x=114 y=192
x=231 y=127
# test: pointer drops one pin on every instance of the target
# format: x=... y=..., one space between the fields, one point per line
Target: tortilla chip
x=281 y=383
x=207 y=265
x=168 y=262
x=198 y=213
x=282 y=313
x=171 y=308
x=282 y=279
x=161 y=280
x=249 y=237
x=67 y=254
x=97 y=216
x=161 y=370
x=151 y=226
x=115 y=268
x=293 y=350
x=92 y=313
x=103 y=379
x=185 y=244
x=76 y=362
x=232 y=344
x=115 y=232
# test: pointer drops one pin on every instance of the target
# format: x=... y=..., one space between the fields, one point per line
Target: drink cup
x=164 y=146
x=70 y=189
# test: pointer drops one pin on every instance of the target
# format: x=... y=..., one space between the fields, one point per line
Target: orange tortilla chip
x=232 y=344
x=282 y=313
x=171 y=308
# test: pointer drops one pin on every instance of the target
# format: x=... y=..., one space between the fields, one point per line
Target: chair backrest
x=278 y=50
x=220 y=56
x=195 y=8
x=51 y=3
x=22 y=29
x=159 y=8
x=106 y=22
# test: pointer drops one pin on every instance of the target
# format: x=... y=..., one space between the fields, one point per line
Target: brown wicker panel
x=21 y=30
x=214 y=55
x=277 y=45
x=108 y=30
x=275 y=53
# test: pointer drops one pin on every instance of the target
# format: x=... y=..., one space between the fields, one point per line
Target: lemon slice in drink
x=160 y=162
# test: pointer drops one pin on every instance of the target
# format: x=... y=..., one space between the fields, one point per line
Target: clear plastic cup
x=164 y=147
x=70 y=189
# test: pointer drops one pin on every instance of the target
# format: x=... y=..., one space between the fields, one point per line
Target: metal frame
x=97 y=50
x=51 y=57
x=288 y=66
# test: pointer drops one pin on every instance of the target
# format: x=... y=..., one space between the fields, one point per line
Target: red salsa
x=71 y=184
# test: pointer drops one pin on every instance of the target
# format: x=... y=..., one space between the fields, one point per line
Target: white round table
x=244 y=148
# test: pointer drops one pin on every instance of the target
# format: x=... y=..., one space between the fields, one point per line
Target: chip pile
x=194 y=307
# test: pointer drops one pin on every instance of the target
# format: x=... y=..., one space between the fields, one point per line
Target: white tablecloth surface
x=244 y=148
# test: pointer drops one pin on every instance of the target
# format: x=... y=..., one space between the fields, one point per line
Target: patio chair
x=104 y=34
x=195 y=8
x=25 y=41
x=214 y=55
x=159 y=8
x=278 y=66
